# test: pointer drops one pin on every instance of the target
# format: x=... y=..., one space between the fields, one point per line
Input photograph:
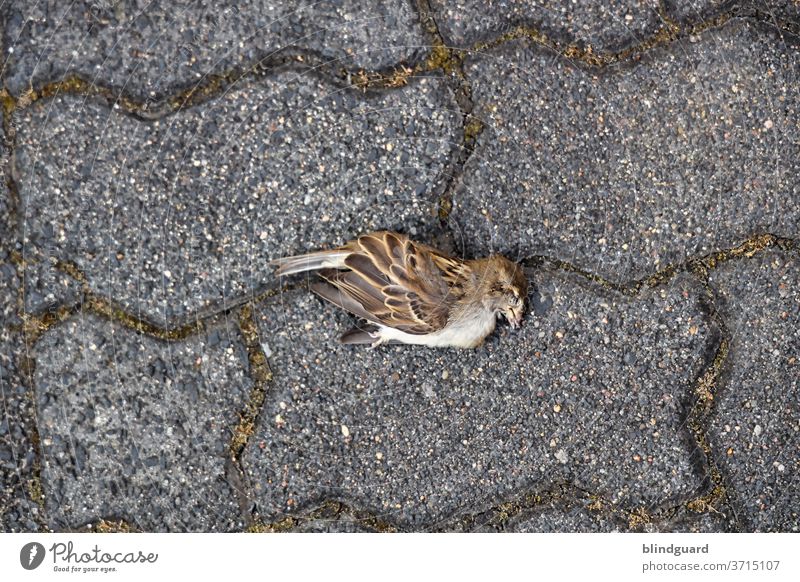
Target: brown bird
x=412 y=293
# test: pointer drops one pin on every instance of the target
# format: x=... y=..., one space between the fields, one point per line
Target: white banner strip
x=372 y=557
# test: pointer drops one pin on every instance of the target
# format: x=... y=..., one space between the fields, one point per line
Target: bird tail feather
x=310 y=262
x=357 y=336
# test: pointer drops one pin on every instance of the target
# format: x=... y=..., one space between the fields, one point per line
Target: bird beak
x=514 y=317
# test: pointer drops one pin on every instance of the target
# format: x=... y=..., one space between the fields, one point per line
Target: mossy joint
x=32 y=484
x=708 y=503
x=329 y=510
x=707 y=385
x=110 y=310
x=717 y=494
x=35 y=488
x=562 y=494
x=396 y=77
x=500 y=515
x=34 y=325
x=588 y=55
x=72 y=85
x=693 y=265
x=440 y=57
x=639 y=518
x=260 y=373
x=665 y=15
x=113 y=526
x=449 y=61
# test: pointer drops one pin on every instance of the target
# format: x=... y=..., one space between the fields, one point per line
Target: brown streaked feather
x=332 y=294
x=364 y=266
x=391 y=280
x=352 y=285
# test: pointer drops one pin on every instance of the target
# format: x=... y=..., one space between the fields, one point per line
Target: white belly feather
x=460 y=334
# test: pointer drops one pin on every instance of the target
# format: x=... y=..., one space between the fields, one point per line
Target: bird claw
x=376 y=335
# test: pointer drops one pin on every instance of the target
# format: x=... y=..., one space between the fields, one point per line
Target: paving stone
x=578 y=518
x=138 y=429
x=6 y=206
x=344 y=524
x=9 y=292
x=18 y=510
x=153 y=48
x=605 y=26
x=693 y=523
x=589 y=391
x=556 y=518
x=689 y=12
x=582 y=165
x=755 y=430
x=177 y=216
x=46 y=286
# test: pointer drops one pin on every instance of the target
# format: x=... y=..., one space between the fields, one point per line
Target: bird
x=412 y=293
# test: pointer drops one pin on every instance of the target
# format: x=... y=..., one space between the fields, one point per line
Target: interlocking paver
x=139 y=429
x=690 y=12
x=628 y=169
x=339 y=525
x=709 y=522
x=564 y=517
x=755 y=430
x=152 y=49
x=181 y=215
x=18 y=511
x=590 y=390
x=605 y=26
x=686 y=146
x=18 y=508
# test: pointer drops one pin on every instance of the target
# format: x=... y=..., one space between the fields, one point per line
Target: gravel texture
x=689 y=12
x=151 y=49
x=343 y=524
x=18 y=509
x=139 y=429
x=581 y=165
x=560 y=517
x=755 y=430
x=590 y=391
x=605 y=26
x=123 y=205
x=693 y=523
x=180 y=216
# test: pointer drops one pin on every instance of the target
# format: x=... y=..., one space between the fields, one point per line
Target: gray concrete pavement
x=641 y=159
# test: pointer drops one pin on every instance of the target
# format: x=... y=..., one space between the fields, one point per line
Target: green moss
x=113 y=526
x=261 y=374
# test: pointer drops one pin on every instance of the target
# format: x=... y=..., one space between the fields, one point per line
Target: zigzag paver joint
x=624 y=151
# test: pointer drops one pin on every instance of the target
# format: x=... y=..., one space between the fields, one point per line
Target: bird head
x=506 y=289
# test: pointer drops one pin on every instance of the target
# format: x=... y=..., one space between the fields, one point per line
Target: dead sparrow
x=413 y=293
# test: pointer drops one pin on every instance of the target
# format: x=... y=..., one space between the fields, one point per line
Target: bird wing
x=391 y=280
